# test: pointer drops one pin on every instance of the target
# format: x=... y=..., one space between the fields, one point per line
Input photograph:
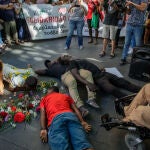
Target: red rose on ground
x=30 y=106
x=3 y=114
x=13 y=108
x=19 y=117
x=21 y=95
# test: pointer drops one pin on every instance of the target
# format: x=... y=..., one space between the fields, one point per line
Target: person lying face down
x=106 y=82
x=18 y=79
x=60 y=71
x=62 y=125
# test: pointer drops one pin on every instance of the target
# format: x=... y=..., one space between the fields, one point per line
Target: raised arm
x=141 y=7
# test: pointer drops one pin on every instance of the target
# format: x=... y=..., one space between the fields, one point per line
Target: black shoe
x=92 y=103
x=123 y=62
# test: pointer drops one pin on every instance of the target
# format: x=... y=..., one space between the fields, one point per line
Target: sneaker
x=123 y=62
x=66 y=48
x=81 y=47
x=84 y=112
x=92 y=103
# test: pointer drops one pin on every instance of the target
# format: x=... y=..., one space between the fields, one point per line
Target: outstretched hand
x=86 y=126
x=43 y=136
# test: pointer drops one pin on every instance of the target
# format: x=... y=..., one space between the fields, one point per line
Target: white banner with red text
x=47 y=22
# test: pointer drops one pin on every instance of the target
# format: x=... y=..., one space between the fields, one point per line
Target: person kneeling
x=60 y=122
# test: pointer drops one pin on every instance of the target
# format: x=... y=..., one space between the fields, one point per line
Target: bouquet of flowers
x=22 y=107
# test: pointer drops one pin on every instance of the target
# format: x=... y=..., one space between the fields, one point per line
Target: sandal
x=112 y=55
x=102 y=54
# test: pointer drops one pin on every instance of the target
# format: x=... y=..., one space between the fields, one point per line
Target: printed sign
x=46 y=21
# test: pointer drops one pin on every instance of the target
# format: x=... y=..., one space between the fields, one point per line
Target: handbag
x=95 y=20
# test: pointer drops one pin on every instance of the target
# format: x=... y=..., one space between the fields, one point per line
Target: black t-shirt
x=111 y=17
x=7 y=14
x=84 y=64
x=56 y=70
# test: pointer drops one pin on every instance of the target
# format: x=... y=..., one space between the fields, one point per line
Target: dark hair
x=31 y=81
x=63 y=62
x=55 y=89
x=46 y=63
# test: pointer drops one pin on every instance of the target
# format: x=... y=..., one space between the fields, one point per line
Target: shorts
x=66 y=132
x=109 y=32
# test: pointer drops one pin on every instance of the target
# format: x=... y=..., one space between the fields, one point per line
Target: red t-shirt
x=54 y=104
x=91 y=8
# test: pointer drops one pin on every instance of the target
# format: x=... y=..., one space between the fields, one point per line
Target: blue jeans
x=132 y=43
x=66 y=132
x=1 y=42
x=72 y=26
x=136 y=32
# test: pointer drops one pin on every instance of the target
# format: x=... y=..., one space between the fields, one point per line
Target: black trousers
x=111 y=83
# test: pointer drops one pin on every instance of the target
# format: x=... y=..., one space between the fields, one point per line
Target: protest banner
x=46 y=21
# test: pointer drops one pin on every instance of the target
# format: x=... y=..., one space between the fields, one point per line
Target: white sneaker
x=130 y=50
x=80 y=47
x=66 y=48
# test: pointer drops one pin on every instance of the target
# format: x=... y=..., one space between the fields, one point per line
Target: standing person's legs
x=142 y=98
x=80 y=25
x=14 y=31
x=1 y=42
x=113 y=31
x=146 y=35
x=27 y=35
x=7 y=31
x=72 y=27
x=117 y=36
x=96 y=36
x=1 y=79
x=71 y=84
x=58 y=135
x=19 y=25
x=90 y=30
x=138 y=33
x=128 y=36
x=105 y=35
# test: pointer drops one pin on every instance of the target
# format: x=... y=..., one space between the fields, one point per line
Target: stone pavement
x=26 y=137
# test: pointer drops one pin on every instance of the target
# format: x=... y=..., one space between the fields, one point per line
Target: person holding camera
x=110 y=26
x=76 y=12
x=134 y=27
